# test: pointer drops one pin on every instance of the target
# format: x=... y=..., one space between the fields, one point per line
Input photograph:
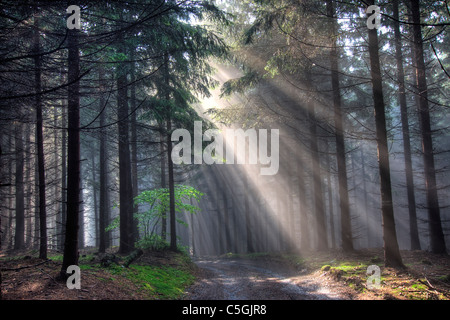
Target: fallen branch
x=132 y=257
x=429 y=285
x=54 y=280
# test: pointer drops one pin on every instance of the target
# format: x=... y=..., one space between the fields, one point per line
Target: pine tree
x=40 y=143
x=73 y=154
x=391 y=250
x=346 y=227
x=413 y=230
x=437 y=240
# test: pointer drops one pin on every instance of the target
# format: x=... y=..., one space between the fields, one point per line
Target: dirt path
x=224 y=279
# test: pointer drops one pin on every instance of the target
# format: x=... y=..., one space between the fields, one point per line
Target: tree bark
x=319 y=212
x=437 y=240
x=346 y=227
x=173 y=230
x=56 y=205
x=291 y=220
x=1 y=213
x=413 y=229
x=19 y=236
x=226 y=218
x=81 y=225
x=194 y=251
x=40 y=145
x=134 y=152
x=173 y=226
x=73 y=155
x=304 y=234
x=163 y=181
x=248 y=225
x=391 y=251
x=94 y=200
x=62 y=236
x=29 y=191
x=125 y=185
x=220 y=223
x=366 y=204
x=104 y=181
x=330 y=199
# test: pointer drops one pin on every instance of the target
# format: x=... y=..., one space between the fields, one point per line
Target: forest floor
x=167 y=275
x=322 y=276
x=426 y=277
x=154 y=275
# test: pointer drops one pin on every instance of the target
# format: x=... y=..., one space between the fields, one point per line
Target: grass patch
x=55 y=257
x=159 y=275
x=326 y=267
x=351 y=270
x=83 y=260
x=157 y=282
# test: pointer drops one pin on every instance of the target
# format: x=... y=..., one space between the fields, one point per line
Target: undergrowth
x=156 y=282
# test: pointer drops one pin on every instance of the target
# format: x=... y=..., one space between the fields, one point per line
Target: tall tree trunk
x=29 y=192
x=235 y=225
x=194 y=251
x=366 y=204
x=173 y=230
x=163 y=180
x=19 y=236
x=1 y=213
x=57 y=212
x=9 y=231
x=125 y=186
x=36 y=243
x=173 y=226
x=73 y=155
x=437 y=240
x=391 y=251
x=291 y=220
x=95 y=196
x=81 y=225
x=62 y=236
x=346 y=227
x=357 y=216
x=226 y=218
x=40 y=145
x=413 y=229
x=134 y=153
x=330 y=199
x=220 y=224
x=304 y=227
x=319 y=212
x=7 y=234
x=248 y=225
x=104 y=181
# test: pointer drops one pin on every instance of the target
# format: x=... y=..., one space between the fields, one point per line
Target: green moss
x=87 y=258
x=352 y=285
x=159 y=282
x=326 y=267
x=56 y=257
x=419 y=286
x=86 y=266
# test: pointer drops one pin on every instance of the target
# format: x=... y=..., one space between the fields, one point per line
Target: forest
x=222 y=128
